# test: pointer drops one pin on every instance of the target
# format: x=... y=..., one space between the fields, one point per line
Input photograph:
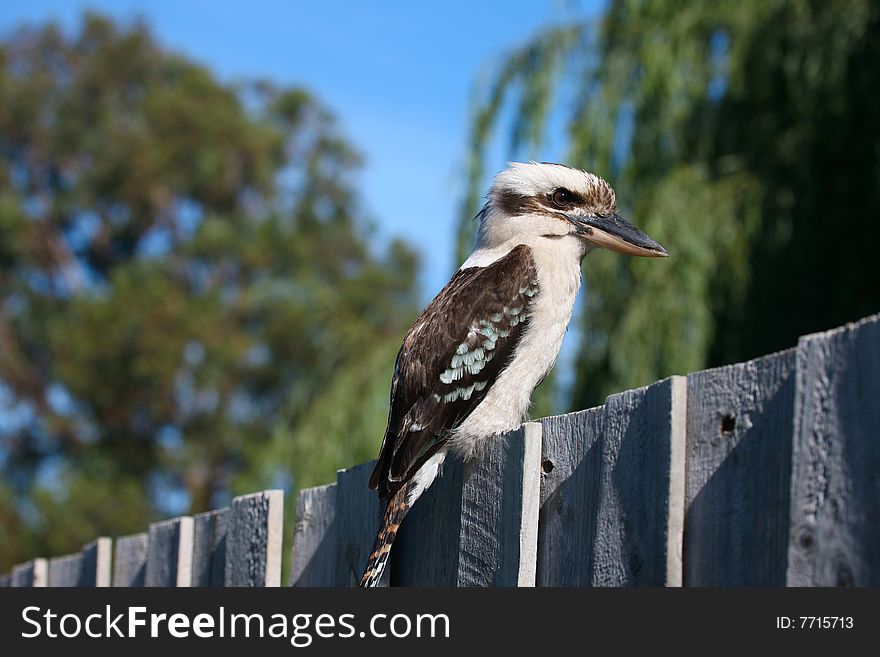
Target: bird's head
x=535 y=200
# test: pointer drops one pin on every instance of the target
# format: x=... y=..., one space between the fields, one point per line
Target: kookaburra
x=469 y=364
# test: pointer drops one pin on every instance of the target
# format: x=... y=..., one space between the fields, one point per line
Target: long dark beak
x=615 y=233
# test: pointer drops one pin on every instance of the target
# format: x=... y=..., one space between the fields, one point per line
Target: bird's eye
x=562 y=198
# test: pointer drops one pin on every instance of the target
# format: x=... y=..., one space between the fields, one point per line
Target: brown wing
x=449 y=360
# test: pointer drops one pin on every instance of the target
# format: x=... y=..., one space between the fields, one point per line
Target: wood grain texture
x=478 y=523
x=169 y=553
x=253 y=539
x=835 y=498
x=65 y=571
x=209 y=548
x=313 y=558
x=88 y=568
x=739 y=432
x=218 y=557
x=641 y=489
x=620 y=522
x=499 y=512
x=358 y=516
x=426 y=551
x=130 y=560
x=33 y=573
x=571 y=466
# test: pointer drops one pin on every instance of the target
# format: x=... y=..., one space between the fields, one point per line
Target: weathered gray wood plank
x=33 y=573
x=88 y=568
x=641 y=513
x=426 y=550
x=739 y=432
x=203 y=539
x=169 y=553
x=358 y=515
x=65 y=570
x=571 y=468
x=209 y=548
x=499 y=512
x=313 y=558
x=97 y=558
x=253 y=539
x=835 y=499
x=478 y=523
x=218 y=559
x=130 y=560
x=630 y=532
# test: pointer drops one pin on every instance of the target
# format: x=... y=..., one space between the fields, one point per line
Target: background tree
x=743 y=137
x=187 y=290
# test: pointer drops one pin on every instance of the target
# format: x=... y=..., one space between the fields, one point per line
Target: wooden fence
x=762 y=473
x=236 y=546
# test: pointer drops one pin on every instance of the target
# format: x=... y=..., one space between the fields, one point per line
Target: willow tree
x=743 y=137
x=191 y=305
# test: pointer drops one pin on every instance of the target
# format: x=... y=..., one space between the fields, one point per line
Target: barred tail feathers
x=397 y=508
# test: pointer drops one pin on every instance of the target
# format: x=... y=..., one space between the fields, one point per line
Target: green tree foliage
x=191 y=305
x=743 y=136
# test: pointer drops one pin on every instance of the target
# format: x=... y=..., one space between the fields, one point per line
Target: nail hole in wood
x=805 y=538
x=728 y=424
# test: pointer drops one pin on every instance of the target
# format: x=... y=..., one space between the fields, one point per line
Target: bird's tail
x=397 y=508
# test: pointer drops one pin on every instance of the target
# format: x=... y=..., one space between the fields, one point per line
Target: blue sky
x=398 y=76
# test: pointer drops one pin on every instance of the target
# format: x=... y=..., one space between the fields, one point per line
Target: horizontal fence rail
x=755 y=474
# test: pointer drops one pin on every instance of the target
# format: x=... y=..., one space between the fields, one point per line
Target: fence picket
x=254 y=535
x=97 y=562
x=358 y=514
x=313 y=559
x=635 y=518
x=130 y=560
x=739 y=467
x=169 y=553
x=427 y=548
x=65 y=570
x=835 y=500
x=209 y=548
x=33 y=573
x=499 y=512
x=571 y=466
x=89 y=567
x=478 y=523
